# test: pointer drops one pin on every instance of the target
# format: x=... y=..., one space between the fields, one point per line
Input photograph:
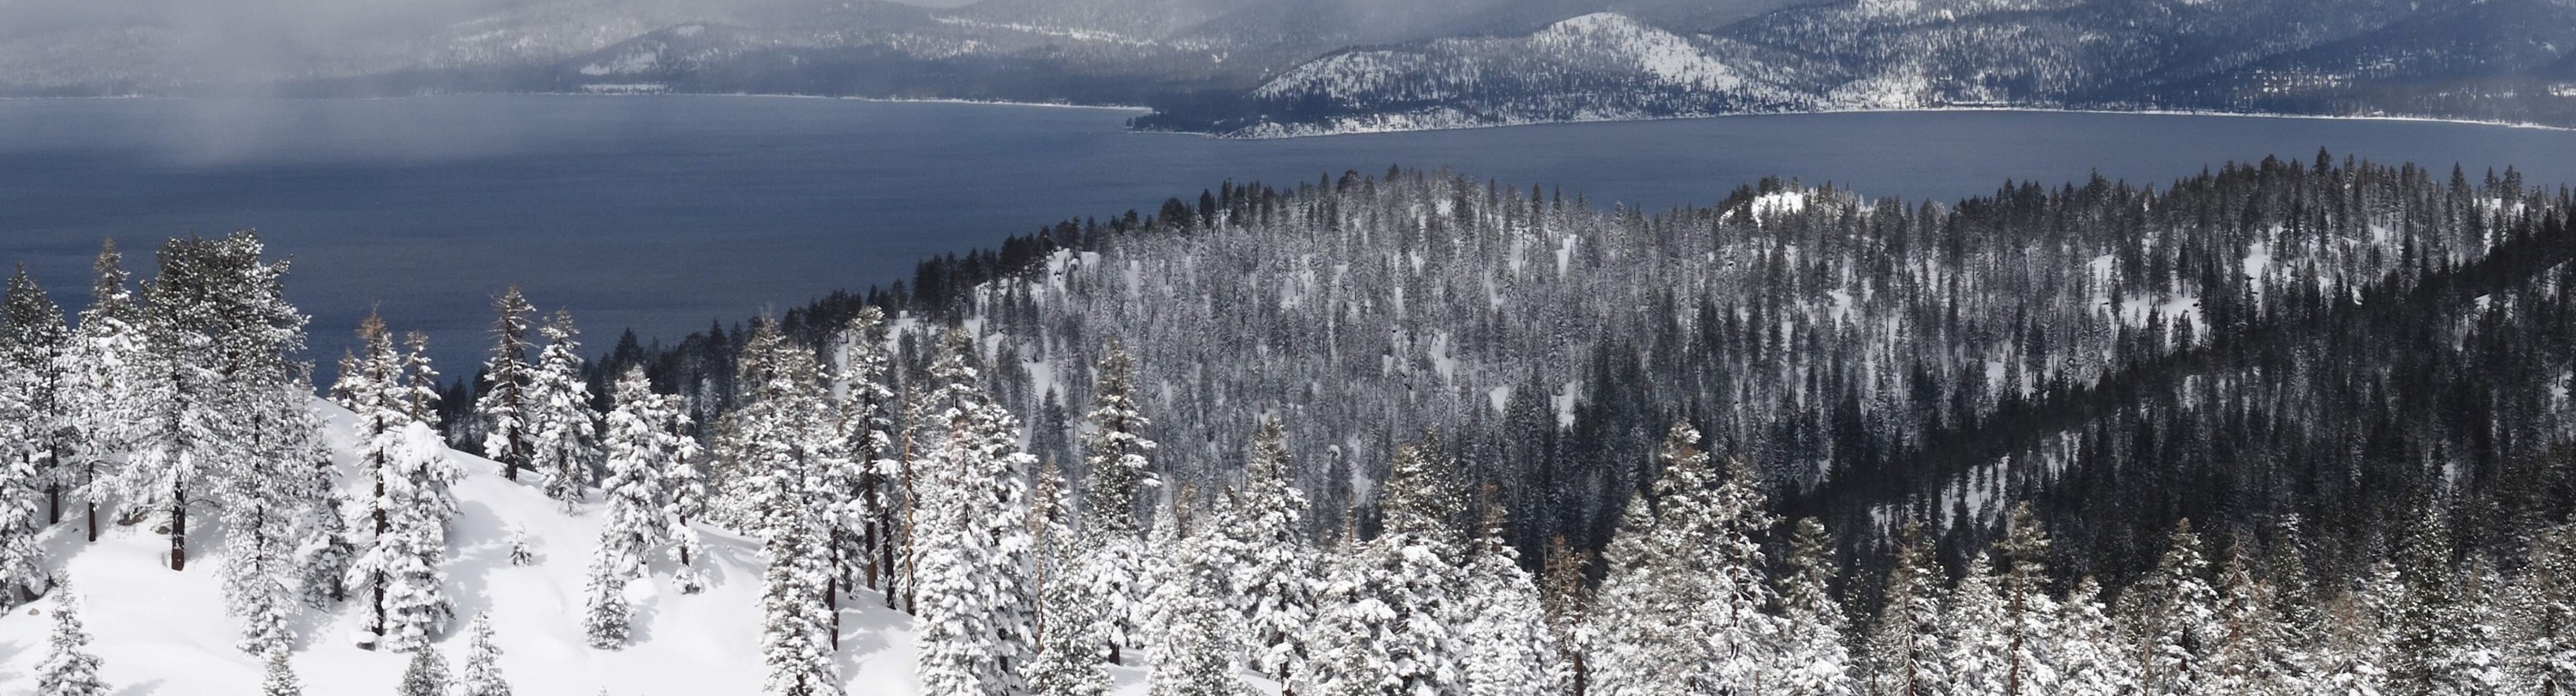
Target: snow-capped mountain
x=1320 y=66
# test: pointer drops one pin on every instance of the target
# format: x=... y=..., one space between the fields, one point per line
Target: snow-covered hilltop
x=165 y=632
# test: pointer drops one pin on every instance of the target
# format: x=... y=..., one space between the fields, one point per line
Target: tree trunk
x=178 y=530
x=53 y=503
x=832 y=605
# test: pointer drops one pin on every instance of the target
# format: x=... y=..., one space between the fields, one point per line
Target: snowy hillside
x=161 y=632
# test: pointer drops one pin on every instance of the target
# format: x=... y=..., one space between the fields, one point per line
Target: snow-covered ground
x=165 y=633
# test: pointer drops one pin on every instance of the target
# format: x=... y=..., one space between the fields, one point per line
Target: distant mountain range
x=1296 y=67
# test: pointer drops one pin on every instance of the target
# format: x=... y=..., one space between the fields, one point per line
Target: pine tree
x=1191 y=625
x=506 y=406
x=1903 y=645
x=326 y=556
x=684 y=495
x=426 y=675
x=2091 y=657
x=1810 y=659
x=638 y=446
x=22 y=574
x=1504 y=645
x=281 y=679
x=107 y=386
x=1569 y=609
x=862 y=518
x=2543 y=661
x=2173 y=611
x=33 y=340
x=482 y=675
x=1977 y=650
x=1352 y=626
x=1116 y=473
x=974 y=541
x=370 y=388
x=2029 y=613
x=1416 y=561
x=2244 y=657
x=68 y=668
x=263 y=512
x=1271 y=586
x=604 y=611
x=1682 y=608
x=780 y=441
x=419 y=381
x=1071 y=649
x=562 y=431
x=409 y=555
x=221 y=335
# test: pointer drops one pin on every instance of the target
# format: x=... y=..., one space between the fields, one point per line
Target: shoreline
x=746 y=95
x=1322 y=133
x=1318 y=132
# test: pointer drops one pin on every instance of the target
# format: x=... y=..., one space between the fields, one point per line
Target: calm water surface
x=666 y=213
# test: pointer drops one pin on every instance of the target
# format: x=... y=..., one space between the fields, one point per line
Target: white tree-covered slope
x=165 y=633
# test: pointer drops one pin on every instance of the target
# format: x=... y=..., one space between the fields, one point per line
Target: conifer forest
x=2294 y=427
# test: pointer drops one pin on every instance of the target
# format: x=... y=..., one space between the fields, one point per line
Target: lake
x=667 y=213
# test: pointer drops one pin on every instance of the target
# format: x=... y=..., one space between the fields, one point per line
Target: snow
x=1770 y=206
x=165 y=633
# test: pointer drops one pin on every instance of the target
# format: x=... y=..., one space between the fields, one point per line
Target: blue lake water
x=666 y=213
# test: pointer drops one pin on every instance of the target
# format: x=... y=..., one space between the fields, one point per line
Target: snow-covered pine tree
x=2090 y=655
x=265 y=509
x=1351 y=627
x=68 y=668
x=409 y=555
x=2244 y=657
x=425 y=675
x=523 y=550
x=1417 y=560
x=1682 y=609
x=1977 y=648
x=2172 y=612
x=370 y=387
x=562 y=431
x=637 y=444
x=1811 y=659
x=33 y=337
x=1192 y=627
x=1563 y=590
x=482 y=676
x=778 y=443
x=973 y=538
x=2543 y=597
x=793 y=644
x=1904 y=642
x=22 y=574
x=1116 y=473
x=604 y=613
x=505 y=406
x=220 y=330
x=419 y=380
x=280 y=679
x=1504 y=645
x=106 y=387
x=861 y=516
x=1070 y=647
x=1272 y=583
x=684 y=494
x=326 y=555
x=2030 y=614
